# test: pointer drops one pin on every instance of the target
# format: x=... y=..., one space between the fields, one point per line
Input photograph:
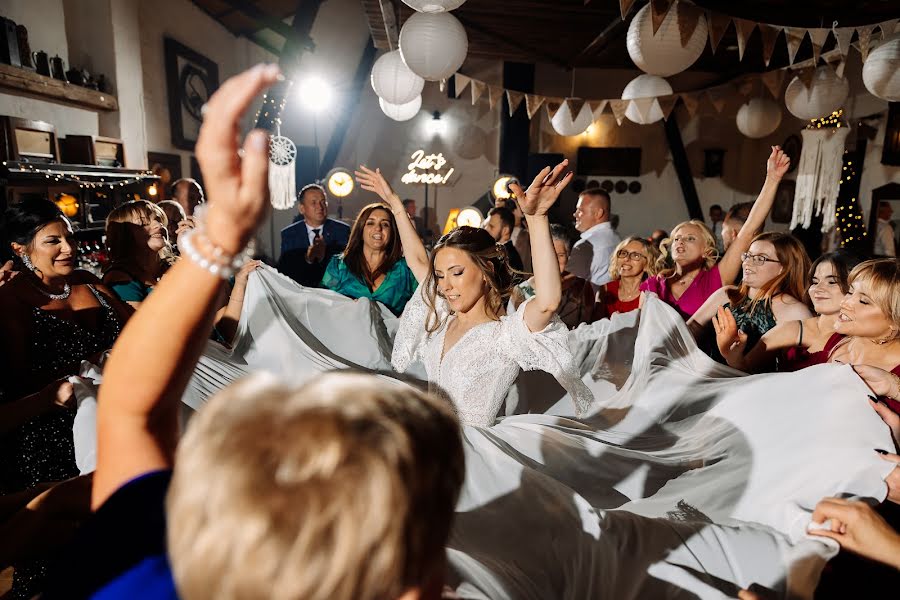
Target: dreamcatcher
x=282 y=172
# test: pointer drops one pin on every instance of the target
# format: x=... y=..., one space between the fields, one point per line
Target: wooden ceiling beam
x=267 y=20
x=503 y=39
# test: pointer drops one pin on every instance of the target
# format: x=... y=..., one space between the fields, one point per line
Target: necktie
x=317 y=233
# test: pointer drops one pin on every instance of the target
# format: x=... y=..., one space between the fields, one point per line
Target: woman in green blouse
x=372 y=264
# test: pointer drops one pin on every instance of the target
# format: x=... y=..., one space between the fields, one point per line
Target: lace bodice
x=478 y=371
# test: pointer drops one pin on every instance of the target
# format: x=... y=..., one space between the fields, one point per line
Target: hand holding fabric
x=858 y=528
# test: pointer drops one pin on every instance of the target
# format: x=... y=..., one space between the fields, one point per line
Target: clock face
x=194 y=90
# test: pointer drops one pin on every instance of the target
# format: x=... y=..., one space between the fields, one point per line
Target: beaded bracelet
x=207 y=254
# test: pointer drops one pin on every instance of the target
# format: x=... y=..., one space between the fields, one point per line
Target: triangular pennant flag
x=806 y=76
x=691 y=102
x=773 y=80
x=575 y=105
x=461 y=82
x=794 y=37
x=718 y=25
x=514 y=99
x=687 y=16
x=625 y=7
x=769 y=37
x=643 y=106
x=597 y=107
x=667 y=104
x=745 y=87
x=887 y=28
x=744 y=28
x=843 y=36
x=532 y=104
x=478 y=88
x=553 y=106
x=495 y=93
x=865 y=36
x=818 y=37
x=618 y=109
x=839 y=70
x=717 y=97
x=658 y=11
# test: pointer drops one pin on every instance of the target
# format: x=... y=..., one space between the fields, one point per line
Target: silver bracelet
x=219 y=263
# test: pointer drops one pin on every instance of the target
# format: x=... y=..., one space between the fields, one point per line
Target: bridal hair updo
x=490 y=258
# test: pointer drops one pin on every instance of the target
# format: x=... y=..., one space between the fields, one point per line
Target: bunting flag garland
x=625 y=7
x=744 y=28
x=575 y=105
x=865 y=36
x=717 y=97
x=794 y=37
x=658 y=11
x=495 y=94
x=806 y=76
x=817 y=37
x=888 y=28
x=461 y=82
x=773 y=80
x=843 y=36
x=718 y=25
x=553 y=105
x=769 y=37
x=688 y=17
x=691 y=103
x=514 y=99
x=618 y=109
x=667 y=104
x=532 y=104
x=643 y=106
x=597 y=107
x=478 y=88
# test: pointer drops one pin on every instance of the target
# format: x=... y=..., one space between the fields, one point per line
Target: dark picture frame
x=783 y=207
x=191 y=79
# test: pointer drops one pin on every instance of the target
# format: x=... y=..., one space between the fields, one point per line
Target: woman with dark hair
x=804 y=340
x=456 y=324
x=372 y=265
x=54 y=316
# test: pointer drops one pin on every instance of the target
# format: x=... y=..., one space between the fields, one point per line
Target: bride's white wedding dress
x=687 y=480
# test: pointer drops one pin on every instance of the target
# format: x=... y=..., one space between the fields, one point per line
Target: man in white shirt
x=884 y=236
x=590 y=255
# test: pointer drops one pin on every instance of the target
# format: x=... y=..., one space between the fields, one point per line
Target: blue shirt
x=394 y=292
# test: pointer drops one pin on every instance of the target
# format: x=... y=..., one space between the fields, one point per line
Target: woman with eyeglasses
x=633 y=260
x=689 y=273
x=773 y=290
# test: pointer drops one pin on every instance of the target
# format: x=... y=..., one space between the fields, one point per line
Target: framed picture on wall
x=783 y=208
x=191 y=79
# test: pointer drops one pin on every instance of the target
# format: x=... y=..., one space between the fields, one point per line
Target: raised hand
x=237 y=185
x=778 y=163
x=543 y=191
x=730 y=340
x=374 y=181
x=857 y=528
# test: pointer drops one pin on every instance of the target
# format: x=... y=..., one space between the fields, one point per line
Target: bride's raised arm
x=413 y=249
x=535 y=202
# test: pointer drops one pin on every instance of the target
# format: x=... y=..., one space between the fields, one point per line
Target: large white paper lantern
x=434 y=6
x=758 y=118
x=662 y=54
x=393 y=81
x=564 y=124
x=825 y=94
x=401 y=112
x=434 y=46
x=645 y=86
x=881 y=72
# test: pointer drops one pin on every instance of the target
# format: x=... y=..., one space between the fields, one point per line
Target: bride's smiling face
x=458 y=278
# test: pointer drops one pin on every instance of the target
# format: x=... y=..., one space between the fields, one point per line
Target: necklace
x=66 y=292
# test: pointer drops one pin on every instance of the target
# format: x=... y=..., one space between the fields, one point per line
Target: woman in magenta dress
x=690 y=273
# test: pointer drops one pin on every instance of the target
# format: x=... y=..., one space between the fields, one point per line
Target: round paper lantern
x=759 y=118
x=434 y=6
x=434 y=46
x=881 y=72
x=401 y=112
x=393 y=81
x=564 y=124
x=825 y=94
x=662 y=54
x=645 y=86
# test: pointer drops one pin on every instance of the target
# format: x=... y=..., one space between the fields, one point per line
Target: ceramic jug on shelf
x=58 y=68
x=41 y=63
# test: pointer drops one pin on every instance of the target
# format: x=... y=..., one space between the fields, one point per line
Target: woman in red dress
x=633 y=260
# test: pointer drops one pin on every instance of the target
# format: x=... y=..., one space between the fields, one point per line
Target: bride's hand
x=543 y=191
x=374 y=181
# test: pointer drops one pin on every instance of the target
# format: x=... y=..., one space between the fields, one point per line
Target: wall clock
x=191 y=79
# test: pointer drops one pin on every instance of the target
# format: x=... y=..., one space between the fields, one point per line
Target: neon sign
x=427 y=169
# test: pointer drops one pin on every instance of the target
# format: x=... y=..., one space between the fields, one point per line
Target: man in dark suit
x=500 y=224
x=308 y=244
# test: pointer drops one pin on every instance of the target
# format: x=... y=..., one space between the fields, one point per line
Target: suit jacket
x=295 y=242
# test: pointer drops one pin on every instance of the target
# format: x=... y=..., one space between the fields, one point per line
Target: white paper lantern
x=434 y=6
x=825 y=94
x=758 y=118
x=881 y=72
x=434 y=46
x=401 y=112
x=662 y=54
x=564 y=124
x=393 y=81
x=645 y=86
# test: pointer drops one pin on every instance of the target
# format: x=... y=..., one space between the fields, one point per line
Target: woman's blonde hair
x=490 y=258
x=120 y=240
x=650 y=252
x=342 y=489
x=882 y=278
x=795 y=267
x=666 y=266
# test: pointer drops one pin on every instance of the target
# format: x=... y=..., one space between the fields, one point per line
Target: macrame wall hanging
x=819 y=176
x=282 y=171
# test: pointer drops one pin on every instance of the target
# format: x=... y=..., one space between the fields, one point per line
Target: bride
x=463 y=289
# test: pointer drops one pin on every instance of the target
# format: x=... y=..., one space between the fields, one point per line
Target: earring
x=27 y=262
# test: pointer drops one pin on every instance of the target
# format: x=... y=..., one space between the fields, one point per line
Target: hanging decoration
x=643 y=91
x=433 y=45
x=393 y=81
x=677 y=44
x=564 y=124
x=881 y=71
x=758 y=118
x=401 y=112
x=825 y=93
x=86 y=182
x=848 y=215
x=819 y=173
x=282 y=171
x=434 y=6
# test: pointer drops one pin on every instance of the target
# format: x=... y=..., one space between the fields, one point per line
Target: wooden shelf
x=24 y=80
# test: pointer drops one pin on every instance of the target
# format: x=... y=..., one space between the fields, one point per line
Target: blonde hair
x=650 y=252
x=666 y=267
x=342 y=489
x=882 y=278
x=120 y=240
x=795 y=268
